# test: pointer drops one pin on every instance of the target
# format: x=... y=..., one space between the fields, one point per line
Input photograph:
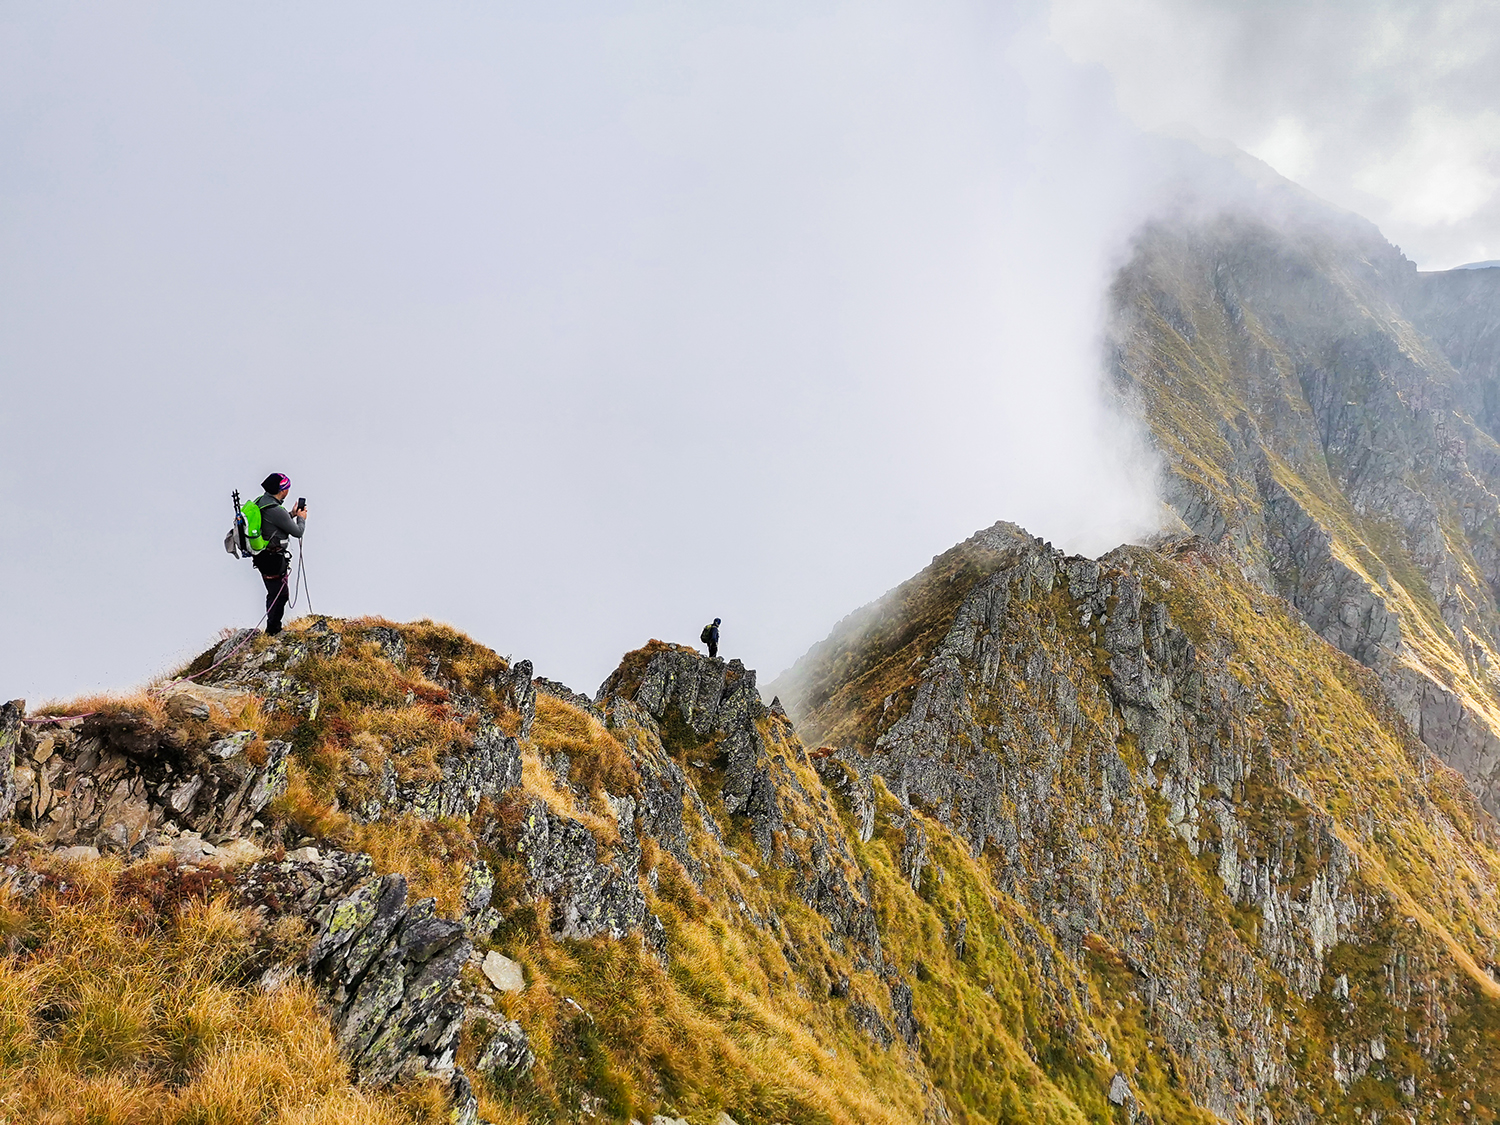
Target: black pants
x=278 y=589
x=713 y=649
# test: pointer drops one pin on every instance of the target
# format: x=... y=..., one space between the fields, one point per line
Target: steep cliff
x=1310 y=425
x=1460 y=311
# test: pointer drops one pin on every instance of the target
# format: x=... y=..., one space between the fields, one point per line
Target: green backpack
x=244 y=540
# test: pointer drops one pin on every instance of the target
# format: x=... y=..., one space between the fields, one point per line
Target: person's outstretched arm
x=283 y=521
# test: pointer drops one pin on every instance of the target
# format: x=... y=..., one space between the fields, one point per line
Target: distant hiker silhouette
x=710 y=637
x=274 y=524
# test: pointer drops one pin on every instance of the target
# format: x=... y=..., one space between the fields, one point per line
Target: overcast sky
x=577 y=325
x=1389 y=108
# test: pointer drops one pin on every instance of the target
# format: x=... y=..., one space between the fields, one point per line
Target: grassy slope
x=123 y=1002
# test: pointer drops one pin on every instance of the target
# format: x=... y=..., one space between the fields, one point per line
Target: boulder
x=76 y=854
x=507 y=1050
x=503 y=973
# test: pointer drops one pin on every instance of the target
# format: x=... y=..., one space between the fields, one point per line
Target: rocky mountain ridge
x=1086 y=839
x=1327 y=414
x=1080 y=719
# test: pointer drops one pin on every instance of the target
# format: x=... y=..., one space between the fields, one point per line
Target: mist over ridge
x=610 y=323
x=574 y=330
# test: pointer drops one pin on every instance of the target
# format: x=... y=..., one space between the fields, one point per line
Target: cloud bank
x=1388 y=109
x=576 y=328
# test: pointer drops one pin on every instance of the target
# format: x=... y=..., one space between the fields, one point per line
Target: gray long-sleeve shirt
x=276 y=522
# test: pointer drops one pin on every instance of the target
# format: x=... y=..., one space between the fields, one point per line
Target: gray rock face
x=390 y=642
x=387 y=966
x=479 y=917
x=589 y=895
x=1341 y=606
x=901 y=1012
x=566 y=694
x=118 y=783
x=1012 y=739
x=517 y=691
x=1348 y=461
x=848 y=774
x=1460 y=311
x=10 y=734
x=716 y=711
x=718 y=702
x=507 y=1050
x=866 y=1017
x=487 y=767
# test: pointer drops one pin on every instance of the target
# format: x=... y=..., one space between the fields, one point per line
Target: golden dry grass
x=114 y=1014
x=143 y=703
x=742 y=1018
x=598 y=761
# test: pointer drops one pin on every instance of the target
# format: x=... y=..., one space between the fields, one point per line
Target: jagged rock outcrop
x=121 y=783
x=701 y=706
x=387 y=966
x=490 y=765
x=484 y=764
x=590 y=895
x=517 y=693
x=507 y=1051
x=11 y=715
x=713 y=701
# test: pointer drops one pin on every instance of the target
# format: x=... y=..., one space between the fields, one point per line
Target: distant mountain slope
x=1176 y=775
x=1460 y=310
x=1310 y=424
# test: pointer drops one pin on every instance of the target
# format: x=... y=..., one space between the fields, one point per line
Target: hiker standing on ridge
x=275 y=562
x=710 y=637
